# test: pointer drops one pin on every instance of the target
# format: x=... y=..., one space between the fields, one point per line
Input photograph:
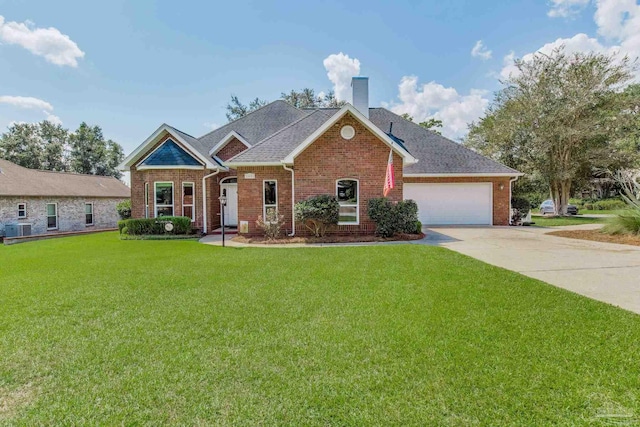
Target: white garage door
x=443 y=204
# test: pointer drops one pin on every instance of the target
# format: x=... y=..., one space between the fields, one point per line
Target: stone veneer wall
x=71 y=213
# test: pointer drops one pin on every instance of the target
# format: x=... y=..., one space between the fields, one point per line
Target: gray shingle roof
x=22 y=182
x=276 y=129
x=277 y=146
x=436 y=153
x=257 y=125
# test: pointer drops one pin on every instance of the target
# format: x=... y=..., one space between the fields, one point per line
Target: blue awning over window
x=170 y=154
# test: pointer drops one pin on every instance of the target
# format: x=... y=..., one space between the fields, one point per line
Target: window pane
x=168 y=211
x=271 y=213
x=188 y=189
x=188 y=211
x=348 y=214
x=51 y=210
x=89 y=219
x=52 y=222
x=270 y=193
x=164 y=193
x=347 y=191
x=88 y=208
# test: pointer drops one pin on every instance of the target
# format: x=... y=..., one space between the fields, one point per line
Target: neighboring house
x=54 y=202
x=279 y=155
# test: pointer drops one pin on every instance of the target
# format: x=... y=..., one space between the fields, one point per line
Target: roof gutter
x=293 y=199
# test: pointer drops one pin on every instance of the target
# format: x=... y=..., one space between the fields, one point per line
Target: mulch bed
x=328 y=239
x=598 y=236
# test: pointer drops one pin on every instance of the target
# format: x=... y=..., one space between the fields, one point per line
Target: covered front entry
x=452 y=204
x=229 y=189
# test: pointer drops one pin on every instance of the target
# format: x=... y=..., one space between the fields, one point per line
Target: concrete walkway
x=602 y=271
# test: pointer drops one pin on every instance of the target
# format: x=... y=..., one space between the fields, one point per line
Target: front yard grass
x=555 y=221
x=99 y=331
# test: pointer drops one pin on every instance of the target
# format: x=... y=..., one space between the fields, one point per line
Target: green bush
x=624 y=223
x=392 y=218
x=155 y=226
x=318 y=213
x=382 y=212
x=609 y=205
x=124 y=209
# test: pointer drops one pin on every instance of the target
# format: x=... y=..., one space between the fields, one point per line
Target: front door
x=230 y=191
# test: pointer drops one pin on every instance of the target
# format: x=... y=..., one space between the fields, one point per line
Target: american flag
x=389 y=179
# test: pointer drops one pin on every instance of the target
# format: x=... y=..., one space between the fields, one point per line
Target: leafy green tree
x=91 y=154
x=430 y=124
x=557 y=117
x=55 y=140
x=21 y=145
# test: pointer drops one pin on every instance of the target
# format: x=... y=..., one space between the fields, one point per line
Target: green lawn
x=550 y=221
x=94 y=330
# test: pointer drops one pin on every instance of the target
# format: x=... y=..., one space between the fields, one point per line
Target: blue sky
x=130 y=66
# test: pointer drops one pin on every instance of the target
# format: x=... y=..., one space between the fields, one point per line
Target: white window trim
x=146 y=200
x=24 y=209
x=173 y=198
x=47 y=212
x=85 y=214
x=264 y=205
x=356 y=205
x=193 y=202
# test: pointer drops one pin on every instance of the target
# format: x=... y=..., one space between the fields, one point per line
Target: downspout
x=293 y=199
x=204 y=200
x=511 y=181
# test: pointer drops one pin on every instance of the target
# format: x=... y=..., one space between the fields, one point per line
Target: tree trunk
x=560 y=192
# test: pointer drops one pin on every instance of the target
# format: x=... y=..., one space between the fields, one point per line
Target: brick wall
x=71 y=213
x=250 y=194
x=233 y=148
x=330 y=157
x=501 y=200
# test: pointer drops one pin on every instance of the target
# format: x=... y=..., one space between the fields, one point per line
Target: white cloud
x=340 y=69
x=53 y=118
x=50 y=43
x=618 y=22
x=31 y=103
x=433 y=100
x=26 y=102
x=566 y=8
x=480 y=51
x=211 y=126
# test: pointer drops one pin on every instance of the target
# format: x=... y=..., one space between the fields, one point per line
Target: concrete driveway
x=602 y=271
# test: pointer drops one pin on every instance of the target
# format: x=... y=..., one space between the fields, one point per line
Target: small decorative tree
x=271 y=226
x=124 y=209
x=318 y=213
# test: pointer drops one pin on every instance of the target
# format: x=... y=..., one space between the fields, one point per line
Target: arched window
x=347 y=192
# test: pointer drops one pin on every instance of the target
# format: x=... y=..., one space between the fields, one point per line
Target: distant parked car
x=547 y=207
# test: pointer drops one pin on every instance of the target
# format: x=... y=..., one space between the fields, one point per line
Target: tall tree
x=22 y=145
x=91 y=154
x=55 y=140
x=558 y=115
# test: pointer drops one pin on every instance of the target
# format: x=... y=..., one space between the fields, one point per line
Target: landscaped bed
x=95 y=330
x=327 y=239
x=599 y=236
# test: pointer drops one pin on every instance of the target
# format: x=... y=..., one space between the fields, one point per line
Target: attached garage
x=452 y=203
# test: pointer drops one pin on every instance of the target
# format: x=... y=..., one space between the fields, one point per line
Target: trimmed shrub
x=318 y=213
x=124 y=209
x=609 y=205
x=520 y=207
x=392 y=218
x=155 y=226
x=382 y=212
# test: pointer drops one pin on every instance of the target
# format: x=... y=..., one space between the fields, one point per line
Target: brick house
x=45 y=202
x=278 y=155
